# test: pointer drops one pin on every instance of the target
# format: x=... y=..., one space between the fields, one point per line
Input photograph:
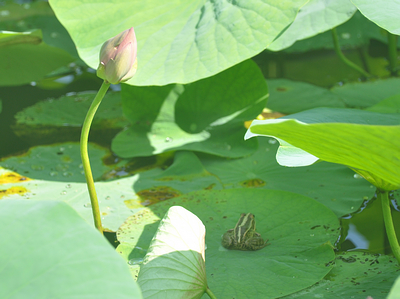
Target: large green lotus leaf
x=383 y=13
x=354 y=33
x=299 y=230
x=395 y=290
x=117 y=199
x=362 y=95
x=288 y=96
x=206 y=116
x=355 y=275
x=313 y=18
x=178 y=41
x=174 y=265
x=389 y=105
x=186 y=174
x=59 y=162
x=61 y=120
x=49 y=251
x=26 y=58
x=365 y=141
x=21 y=17
x=70 y=110
x=319 y=181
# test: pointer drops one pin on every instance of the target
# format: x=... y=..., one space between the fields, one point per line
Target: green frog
x=244 y=235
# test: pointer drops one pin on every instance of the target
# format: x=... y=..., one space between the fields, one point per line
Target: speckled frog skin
x=244 y=235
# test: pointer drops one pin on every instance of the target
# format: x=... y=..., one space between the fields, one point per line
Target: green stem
x=85 y=156
x=343 y=58
x=392 y=44
x=210 y=294
x=387 y=217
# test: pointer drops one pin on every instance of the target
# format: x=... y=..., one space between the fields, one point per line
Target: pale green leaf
x=27 y=58
x=395 y=290
x=355 y=275
x=384 y=13
x=174 y=264
x=366 y=94
x=179 y=41
x=365 y=141
x=205 y=116
x=389 y=105
x=313 y=18
x=48 y=251
x=299 y=230
x=288 y=96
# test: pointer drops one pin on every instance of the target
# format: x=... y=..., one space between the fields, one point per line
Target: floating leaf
x=355 y=275
x=389 y=105
x=288 y=96
x=26 y=58
x=363 y=95
x=60 y=120
x=319 y=181
x=60 y=162
x=299 y=230
x=23 y=16
x=174 y=266
x=118 y=199
x=395 y=290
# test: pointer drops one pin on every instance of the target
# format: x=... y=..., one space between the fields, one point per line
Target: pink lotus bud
x=118 y=61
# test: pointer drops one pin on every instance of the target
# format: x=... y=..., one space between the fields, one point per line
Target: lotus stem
x=392 y=45
x=343 y=58
x=85 y=156
x=387 y=217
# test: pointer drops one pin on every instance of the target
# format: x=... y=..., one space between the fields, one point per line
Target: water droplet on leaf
x=135 y=261
x=37 y=167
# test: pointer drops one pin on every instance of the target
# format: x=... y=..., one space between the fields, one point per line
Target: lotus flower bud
x=118 y=61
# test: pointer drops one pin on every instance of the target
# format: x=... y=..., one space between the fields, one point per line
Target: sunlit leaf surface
x=54 y=253
x=178 y=41
x=299 y=230
x=174 y=266
x=364 y=141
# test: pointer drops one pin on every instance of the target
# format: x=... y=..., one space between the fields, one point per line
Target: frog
x=244 y=235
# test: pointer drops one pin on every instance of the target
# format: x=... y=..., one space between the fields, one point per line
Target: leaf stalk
x=392 y=45
x=85 y=156
x=343 y=58
x=383 y=195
